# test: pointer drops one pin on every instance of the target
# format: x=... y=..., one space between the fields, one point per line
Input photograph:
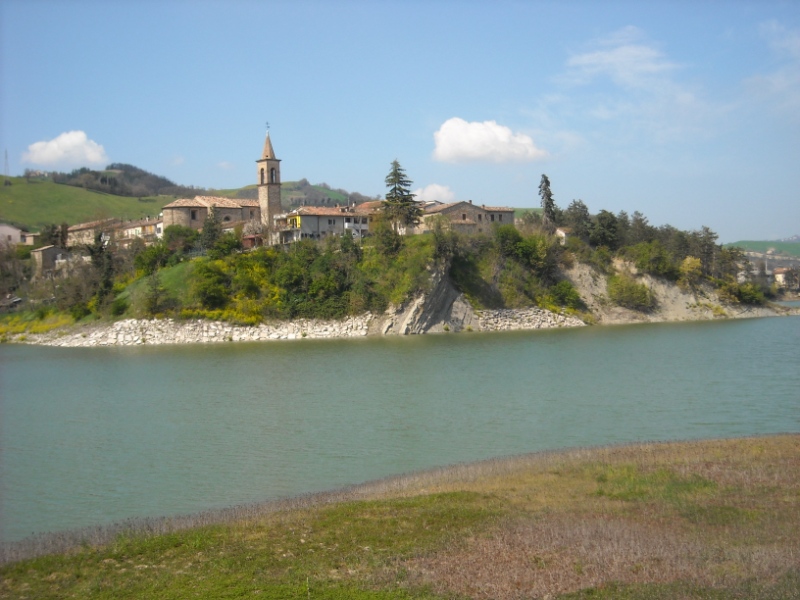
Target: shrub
x=565 y=294
x=625 y=291
x=744 y=293
x=653 y=258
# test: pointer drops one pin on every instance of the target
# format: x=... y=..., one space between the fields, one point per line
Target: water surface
x=90 y=436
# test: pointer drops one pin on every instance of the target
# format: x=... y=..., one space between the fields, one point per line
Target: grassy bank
x=716 y=519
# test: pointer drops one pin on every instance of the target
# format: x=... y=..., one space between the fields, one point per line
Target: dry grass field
x=711 y=519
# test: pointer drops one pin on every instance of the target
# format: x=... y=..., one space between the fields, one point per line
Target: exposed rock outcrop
x=441 y=308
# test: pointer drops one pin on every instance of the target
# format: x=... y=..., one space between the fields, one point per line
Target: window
x=273 y=176
x=262 y=176
x=499 y=217
x=227 y=218
x=463 y=216
x=480 y=217
x=347 y=219
x=331 y=221
x=492 y=217
x=194 y=215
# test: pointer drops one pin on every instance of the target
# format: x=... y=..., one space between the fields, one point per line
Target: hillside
x=36 y=203
x=33 y=203
x=762 y=247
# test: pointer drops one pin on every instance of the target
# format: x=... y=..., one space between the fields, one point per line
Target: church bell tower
x=269 y=186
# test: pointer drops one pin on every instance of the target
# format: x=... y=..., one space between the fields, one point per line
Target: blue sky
x=686 y=111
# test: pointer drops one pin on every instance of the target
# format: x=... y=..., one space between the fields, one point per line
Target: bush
x=564 y=294
x=653 y=258
x=744 y=293
x=119 y=306
x=626 y=292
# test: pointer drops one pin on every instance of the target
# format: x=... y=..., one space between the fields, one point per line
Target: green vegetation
x=127 y=192
x=790 y=248
x=400 y=207
x=36 y=203
x=695 y=520
x=623 y=290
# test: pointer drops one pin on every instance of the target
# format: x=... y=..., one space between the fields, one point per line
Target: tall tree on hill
x=400 y=206
x=548 y=204
x=212 y=230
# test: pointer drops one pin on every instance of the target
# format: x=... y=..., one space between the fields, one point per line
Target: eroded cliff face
x=444 y=308
x=439 y=309
x=673 y=303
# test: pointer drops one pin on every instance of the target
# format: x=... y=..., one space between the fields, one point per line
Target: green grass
x=520 y=212
x=711 y=520
x=790 y=248
x=35 y=204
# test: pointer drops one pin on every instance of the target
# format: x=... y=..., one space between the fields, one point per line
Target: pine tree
x=548 y=204
x=400 y=206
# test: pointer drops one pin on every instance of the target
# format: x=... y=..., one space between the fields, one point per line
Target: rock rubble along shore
x=525 y=318
x=136 y=332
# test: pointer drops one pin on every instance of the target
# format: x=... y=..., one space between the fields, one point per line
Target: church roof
x=268 y=152
x=209 y=201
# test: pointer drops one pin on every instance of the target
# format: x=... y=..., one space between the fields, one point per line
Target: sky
x=687 y=111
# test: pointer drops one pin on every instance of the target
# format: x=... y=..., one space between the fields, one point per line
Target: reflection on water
x=97 y=435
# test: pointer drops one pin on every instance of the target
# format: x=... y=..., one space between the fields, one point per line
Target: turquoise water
x=92 y=436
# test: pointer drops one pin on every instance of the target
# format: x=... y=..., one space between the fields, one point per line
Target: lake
x=93 y=436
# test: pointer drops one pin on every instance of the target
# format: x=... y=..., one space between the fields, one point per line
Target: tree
x=400 y=206
x=211 y=232
x=691 y=271
x=641 y=230
x=604 y=231
x=548 y=204
x=103 y=262
x=54 y=235
x=578 y=218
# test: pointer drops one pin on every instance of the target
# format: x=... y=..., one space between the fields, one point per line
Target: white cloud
x=646 y=95
x=623 y=58
x=459 y=141
x=177 y=161
x=434 y=191
x=70 y=149
x=226 y=166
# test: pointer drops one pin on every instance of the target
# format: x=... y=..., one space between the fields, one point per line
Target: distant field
x=791 y=248
x=520 y=212
x=35 y=204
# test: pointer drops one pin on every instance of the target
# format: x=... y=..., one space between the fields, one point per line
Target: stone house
x=191 y=212
x=10 y=235
x=466 y=217
x=83 y=234
x=45 y=259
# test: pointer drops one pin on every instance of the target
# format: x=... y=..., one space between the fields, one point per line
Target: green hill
x=36 y=203
x=790 y=248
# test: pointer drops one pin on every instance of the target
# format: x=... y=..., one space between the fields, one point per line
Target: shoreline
x=169 y=331
x=157 y=332
x=437 y=479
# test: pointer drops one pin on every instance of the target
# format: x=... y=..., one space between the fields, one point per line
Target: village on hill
x=540 y=244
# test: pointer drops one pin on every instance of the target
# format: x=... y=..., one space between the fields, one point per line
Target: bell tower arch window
x=273 y=175
x=262 y=176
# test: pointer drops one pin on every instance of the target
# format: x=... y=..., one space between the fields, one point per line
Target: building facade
x=466 y=217
x=192 y=212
